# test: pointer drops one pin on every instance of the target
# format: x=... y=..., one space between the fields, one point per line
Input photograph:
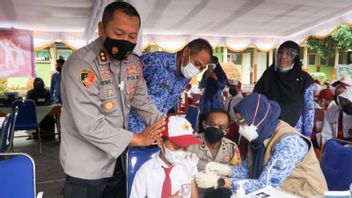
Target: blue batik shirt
x=306 y=120
x=287 y=153
x=55 y=87
x=164 y=85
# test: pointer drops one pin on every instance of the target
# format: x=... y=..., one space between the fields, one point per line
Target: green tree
x=341 y=39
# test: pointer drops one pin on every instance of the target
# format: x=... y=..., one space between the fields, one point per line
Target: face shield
x=284 y=58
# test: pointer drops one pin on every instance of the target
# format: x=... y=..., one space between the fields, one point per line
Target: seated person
x=234 y=98
x=41 y=96
x=39 y=93
x=277 y=151
x=326 y=96
x=338 y=119
x=215 y=147
x=171 y=171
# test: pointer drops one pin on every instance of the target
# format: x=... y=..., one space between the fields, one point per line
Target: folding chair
x=17 y=176
x=136 y=156
x=7 y=131
x=27 y=118
x=336 y=165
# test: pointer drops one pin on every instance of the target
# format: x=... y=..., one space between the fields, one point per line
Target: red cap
x=326 y=94
x=180 y=132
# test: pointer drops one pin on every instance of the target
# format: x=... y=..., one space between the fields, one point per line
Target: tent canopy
x=236 y=24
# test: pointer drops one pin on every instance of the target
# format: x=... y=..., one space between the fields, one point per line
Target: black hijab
x=286 y=88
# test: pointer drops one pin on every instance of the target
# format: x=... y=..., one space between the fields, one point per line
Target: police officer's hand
x=153 y=132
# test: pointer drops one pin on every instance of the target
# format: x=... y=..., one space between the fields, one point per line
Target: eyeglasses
x=240 y=121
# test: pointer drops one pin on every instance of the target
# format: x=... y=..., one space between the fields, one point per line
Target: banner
x=16 y=53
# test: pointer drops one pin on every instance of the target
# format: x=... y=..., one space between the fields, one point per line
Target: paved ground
x=49 y=174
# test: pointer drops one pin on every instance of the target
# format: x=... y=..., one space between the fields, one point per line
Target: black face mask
x=233 y=91
x=118 y=49
x=213 y=134
x=347 y=108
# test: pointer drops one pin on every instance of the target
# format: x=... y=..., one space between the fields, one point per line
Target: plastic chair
x=136 y=156
x=8 y=131
x=192 y=115
x=27 y=118
x=17 y=176
x=336 y=165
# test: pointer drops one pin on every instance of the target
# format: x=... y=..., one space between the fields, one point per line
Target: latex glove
x=207 y=180
x=219 y=169
x=192 y=158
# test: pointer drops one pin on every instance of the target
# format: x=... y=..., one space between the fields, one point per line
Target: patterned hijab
x=256 y=109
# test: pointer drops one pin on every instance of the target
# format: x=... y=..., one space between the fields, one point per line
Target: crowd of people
x=114 y=99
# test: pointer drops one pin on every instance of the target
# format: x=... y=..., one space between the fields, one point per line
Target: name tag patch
x=106 y=82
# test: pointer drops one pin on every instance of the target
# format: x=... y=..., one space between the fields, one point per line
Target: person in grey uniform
x=215 y=148
x=100 y=83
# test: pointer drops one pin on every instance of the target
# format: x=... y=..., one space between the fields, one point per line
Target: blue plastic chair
x=17 y=175
x=192 y=115
x=27 y=118
x=136 y=156
x=336 y=164
x=7 y=131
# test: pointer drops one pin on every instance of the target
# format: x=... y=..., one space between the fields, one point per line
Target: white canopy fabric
x=170 y=24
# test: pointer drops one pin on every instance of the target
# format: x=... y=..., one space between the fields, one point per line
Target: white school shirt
x=149 y=179
x=330 y=126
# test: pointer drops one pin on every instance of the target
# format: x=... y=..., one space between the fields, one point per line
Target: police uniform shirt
x=228 y=153
x=97 y=93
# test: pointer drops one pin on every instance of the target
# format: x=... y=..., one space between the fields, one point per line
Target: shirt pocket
x=109 y=101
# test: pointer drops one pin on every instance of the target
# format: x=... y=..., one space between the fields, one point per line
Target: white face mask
x=189 y=70
x=248 y=132
x=285 y=69
x=174 y=157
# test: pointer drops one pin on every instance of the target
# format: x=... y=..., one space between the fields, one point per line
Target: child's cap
x=180 y=132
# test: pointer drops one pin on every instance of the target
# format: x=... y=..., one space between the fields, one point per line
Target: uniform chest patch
x=106 y=74
x=87 y=77
x=132 y=70
x=108 y=105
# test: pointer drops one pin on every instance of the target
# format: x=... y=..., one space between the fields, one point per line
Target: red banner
x=16 y=53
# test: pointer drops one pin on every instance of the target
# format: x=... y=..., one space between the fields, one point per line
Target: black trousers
x=113 y=187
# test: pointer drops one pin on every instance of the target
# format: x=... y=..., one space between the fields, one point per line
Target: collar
x=158 y=162
x=100 y=51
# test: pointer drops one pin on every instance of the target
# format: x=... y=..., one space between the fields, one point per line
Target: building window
x=311 y=59
x=236 y=58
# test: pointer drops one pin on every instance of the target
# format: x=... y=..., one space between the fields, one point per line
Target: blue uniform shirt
x=164 y=85
x=55 y=87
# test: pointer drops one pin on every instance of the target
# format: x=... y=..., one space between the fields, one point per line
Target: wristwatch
x=221 y=182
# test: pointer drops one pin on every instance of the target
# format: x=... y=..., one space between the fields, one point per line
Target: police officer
x=100 y=82
x=215 y=147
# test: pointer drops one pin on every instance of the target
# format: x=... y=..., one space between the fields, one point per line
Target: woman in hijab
x=286 y=83
x=213 y=81
x=39 y=93
x=277 y=152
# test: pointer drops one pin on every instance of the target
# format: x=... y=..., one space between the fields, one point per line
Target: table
x=41 y=111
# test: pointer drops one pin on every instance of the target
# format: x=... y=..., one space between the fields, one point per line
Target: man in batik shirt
x=167 y=75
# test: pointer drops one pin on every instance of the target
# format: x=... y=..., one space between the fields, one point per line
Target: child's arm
x=194 y=192
x=139 y=186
